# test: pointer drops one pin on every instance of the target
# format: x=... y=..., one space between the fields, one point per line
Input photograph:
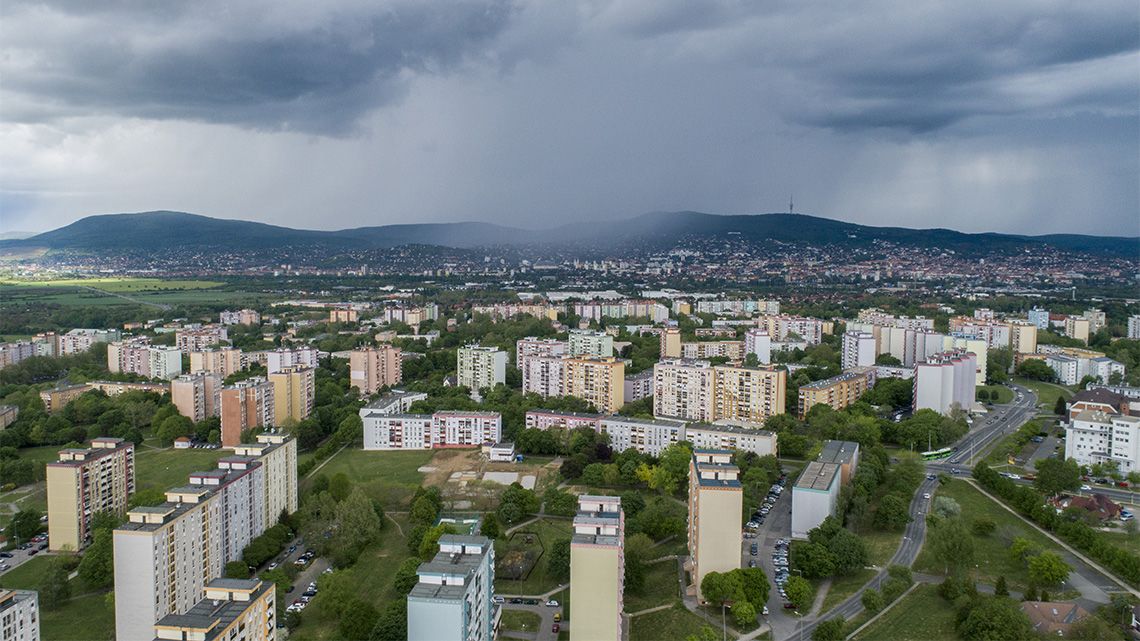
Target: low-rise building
x=845 y=454
x=394 y=402
x=815 y=496
x=1053 y=618
x=56 y=398
x=428 y=431
x=8 y=415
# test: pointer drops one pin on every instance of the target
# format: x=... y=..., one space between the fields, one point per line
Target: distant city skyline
x=1013 y=117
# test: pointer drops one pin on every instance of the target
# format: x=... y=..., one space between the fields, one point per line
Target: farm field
x=117 y=285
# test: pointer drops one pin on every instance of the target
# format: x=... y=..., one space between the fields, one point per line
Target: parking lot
x=771 y=540
x=23 y=552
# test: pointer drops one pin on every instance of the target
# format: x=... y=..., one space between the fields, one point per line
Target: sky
x=1014 y=116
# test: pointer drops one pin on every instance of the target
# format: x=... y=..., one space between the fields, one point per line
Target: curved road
x=1002 y=420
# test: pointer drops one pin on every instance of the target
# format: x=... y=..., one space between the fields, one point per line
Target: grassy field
x=1122 y=539
x=991 y=553
x=843 y=587
x=538 y=581
x=372 y=575
x=117 y=285
x=390 y=477
x=164 y=469
x=1005 y=394
x=921 y=616
x=1047 y=393
x=661 y=587
x=521 y=621
x=674 y=623
x=86 y=616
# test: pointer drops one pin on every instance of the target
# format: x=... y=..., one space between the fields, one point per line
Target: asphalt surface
x=18 y=557
x=545 y=630
x=777 y=525
x=986 y=431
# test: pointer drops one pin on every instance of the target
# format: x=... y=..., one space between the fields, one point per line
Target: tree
x=756 y=586
x=829 y=630
x=558 y=560
x=54 y=588
x=1000 y=588
x=490 y=526
x=1093 y=628
x=236 y=570
x=1055 y=476
x=429 y=545
x=357 y=620
x=995 y=619
x=799 y=591
x=814 y=560
x=951 y=544
x=893 y=513
x=946 y=507
x=424 y=511
x=849 y=552
x=888 y=359
x=719 y=588
x=983 y=526
x=743 y=613
x=1060 y=407
x=1048 y=568
x=97 y=568
x=406 y=577
x=340 y=486
x=392 y=625
x=872 y=600
x=1035 y=369
x=1030 y=593
x=982 y=395
x=172 y=427
x=707 y=633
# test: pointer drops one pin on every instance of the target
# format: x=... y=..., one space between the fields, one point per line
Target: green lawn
x=372 y=575
x=1005 y=394
x=921 y=616
x=538 y=581
x=167 y=468
x=991 y=553
x=843 y=587
x=1047 y=393
x=117 y=285
x=390 y=477
x=521 y=620
x=86 y=616
x=661 y=587
x=674 y=623
x=881 y=546
x=1121 y=539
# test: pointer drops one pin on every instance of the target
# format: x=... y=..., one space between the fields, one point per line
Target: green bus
x=934 y=455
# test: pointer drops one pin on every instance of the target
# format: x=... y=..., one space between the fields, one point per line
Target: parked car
x=5 y=555
x=764 y=611
x=555 y=628
x=498 y=599
x=557 y=616
x=552 y=603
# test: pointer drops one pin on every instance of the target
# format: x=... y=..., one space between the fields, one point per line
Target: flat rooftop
x=817 y=476
x=838 y=452
x=213 y=616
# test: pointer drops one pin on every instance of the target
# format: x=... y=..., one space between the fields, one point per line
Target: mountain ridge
x=157 y=230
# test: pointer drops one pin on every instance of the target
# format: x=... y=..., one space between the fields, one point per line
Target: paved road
x=1002 y=420
x=777 y=525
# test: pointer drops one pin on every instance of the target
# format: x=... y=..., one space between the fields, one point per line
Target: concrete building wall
x=594 y=575
x=430 y=620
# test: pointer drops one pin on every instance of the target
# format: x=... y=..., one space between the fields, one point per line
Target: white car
x=926 y=496
x=1086 y=488
x=552 y=603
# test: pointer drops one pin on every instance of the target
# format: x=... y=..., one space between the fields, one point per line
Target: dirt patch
x=523 y=551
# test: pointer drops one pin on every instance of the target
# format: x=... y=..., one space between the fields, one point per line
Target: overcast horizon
x=1016 y=117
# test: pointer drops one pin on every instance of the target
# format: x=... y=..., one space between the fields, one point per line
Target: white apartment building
x=454 y=595
x=945 y=381
x=1039 y=317
x=543 y=375
x=858 y=349
x=731 y=437
x=394 y=402
x=281 y=358
x=759 y=342
x=531 y=346
x=277 y=453
x=588 y=343
x=683 y=389
x=815 y=496
x=138 y=356
x=240 y=484
x=19 y=615
x=198 y=339
x=78 y=341
x=480 y=367
x=1134 y=327
x=240 y=317
x=428 y=431
x=649 y=436
x=1070 y=369
x=1098 y=437
x=164 y=556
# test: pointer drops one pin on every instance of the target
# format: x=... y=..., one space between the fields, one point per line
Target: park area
x=87 y=616
x=922 y=615
x=992 y=557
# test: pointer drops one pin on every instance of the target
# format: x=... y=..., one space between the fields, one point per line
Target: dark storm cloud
x=202 y=62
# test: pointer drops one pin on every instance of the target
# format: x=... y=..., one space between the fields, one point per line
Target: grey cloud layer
x=201 y=61
x=319 y=66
